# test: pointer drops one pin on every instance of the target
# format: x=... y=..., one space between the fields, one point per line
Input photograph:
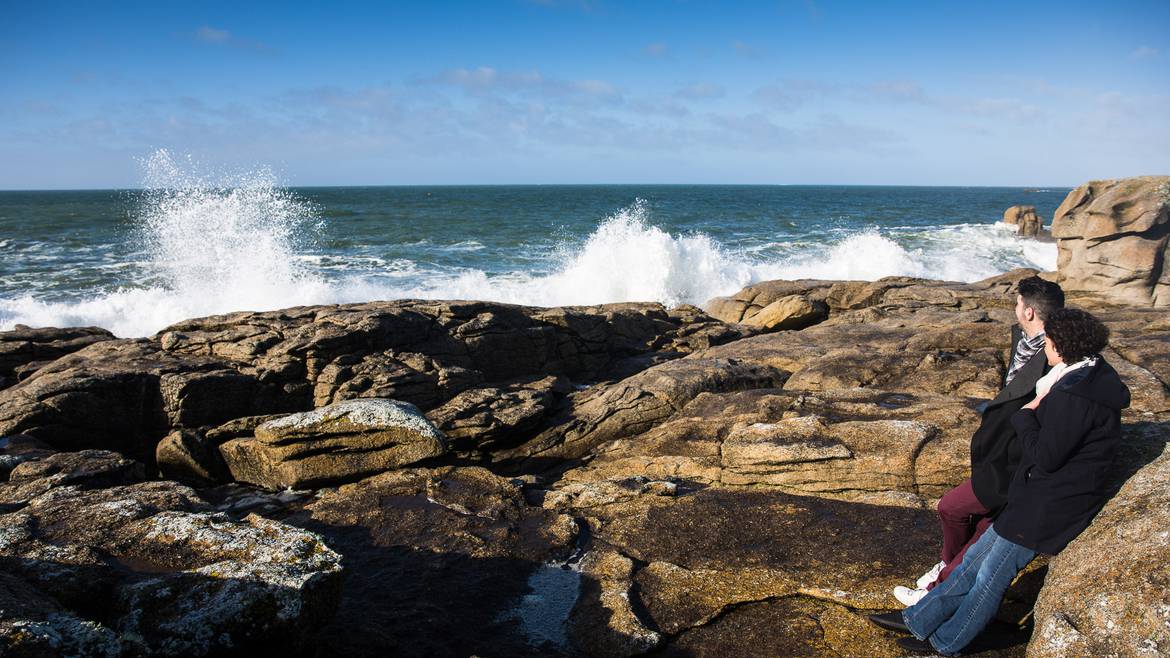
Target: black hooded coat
x=1068 y=444
x=995 y=451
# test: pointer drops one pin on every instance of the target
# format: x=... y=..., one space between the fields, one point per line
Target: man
x=966 y=511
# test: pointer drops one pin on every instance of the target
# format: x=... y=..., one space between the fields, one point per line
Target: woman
x=1069 y=435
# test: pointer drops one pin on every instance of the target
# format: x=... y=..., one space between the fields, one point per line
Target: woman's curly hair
x=1075 y=334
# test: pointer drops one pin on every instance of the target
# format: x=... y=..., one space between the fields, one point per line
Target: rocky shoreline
x=469 y=478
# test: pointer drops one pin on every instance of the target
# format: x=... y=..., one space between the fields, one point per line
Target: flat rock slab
x=717 y=570
x=799 y=626
x=847 y=552
x=25 y=350
x=864 y=445
x=338 y=443
x=632 y=406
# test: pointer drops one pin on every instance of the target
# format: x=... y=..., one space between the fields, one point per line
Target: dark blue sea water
x=135 y=261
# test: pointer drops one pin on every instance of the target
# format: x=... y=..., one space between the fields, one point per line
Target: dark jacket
x=1068 y=445
x=995 y=453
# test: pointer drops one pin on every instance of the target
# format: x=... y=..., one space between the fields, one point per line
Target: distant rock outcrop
x=1025 y=218
x=1113 y=238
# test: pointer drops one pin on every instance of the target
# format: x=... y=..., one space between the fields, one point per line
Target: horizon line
x=455 y=185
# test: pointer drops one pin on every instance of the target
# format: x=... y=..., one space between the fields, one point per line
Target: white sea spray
x=220 y=244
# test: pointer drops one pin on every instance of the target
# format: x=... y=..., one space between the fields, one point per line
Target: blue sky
x=808 y=91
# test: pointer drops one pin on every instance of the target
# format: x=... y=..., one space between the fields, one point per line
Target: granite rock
x=146 y=568
x=1108 y=592
x=1113 y=238
x=333 y=444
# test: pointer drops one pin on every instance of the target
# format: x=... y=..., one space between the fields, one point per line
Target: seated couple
x=1039 y=462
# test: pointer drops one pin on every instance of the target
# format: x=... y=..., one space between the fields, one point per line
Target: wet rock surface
x=607 y=481
x=436 y=560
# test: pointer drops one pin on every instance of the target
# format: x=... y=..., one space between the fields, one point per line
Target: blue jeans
x=956 y=610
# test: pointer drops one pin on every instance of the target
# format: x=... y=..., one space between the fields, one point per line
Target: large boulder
x=126 y=395
x=791 y=312
x=484 y=419
x=749 y=301
x=338 y=443
x=1113 y=238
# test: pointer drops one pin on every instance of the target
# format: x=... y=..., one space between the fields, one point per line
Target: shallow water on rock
x=543 y=612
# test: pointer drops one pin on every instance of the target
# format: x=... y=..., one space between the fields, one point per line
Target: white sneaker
x=930 y=576
x=907 y=596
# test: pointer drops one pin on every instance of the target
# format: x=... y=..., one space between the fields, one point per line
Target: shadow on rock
x=444 y=562
x=401 y=601
x=132 y=611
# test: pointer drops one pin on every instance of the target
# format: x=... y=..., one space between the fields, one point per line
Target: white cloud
x=212 y=35
x=656 y=49
x=483 y=77
x=208 y=34
x=485 y=80
x=599 y=88
x=744 y=49
x=777 y=97
x=1145 y=52
x=906 y=91
x=700 y=91
x=1012 y=108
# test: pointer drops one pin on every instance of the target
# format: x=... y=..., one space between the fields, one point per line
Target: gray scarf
x=1026 y=348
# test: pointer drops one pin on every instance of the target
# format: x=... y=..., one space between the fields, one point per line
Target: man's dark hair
x=1075 y=334
x=1042 y=296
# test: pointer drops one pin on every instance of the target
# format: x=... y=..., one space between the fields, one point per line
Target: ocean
x=186 y=245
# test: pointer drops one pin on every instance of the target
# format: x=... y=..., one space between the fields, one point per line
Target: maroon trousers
x=963 y=519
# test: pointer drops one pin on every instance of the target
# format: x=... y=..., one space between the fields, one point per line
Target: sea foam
x=212 y=247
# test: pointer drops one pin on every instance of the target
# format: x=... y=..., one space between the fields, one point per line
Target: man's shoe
x=930 y=576
x=891 y=621
x=914 y=644
x=907 y=596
